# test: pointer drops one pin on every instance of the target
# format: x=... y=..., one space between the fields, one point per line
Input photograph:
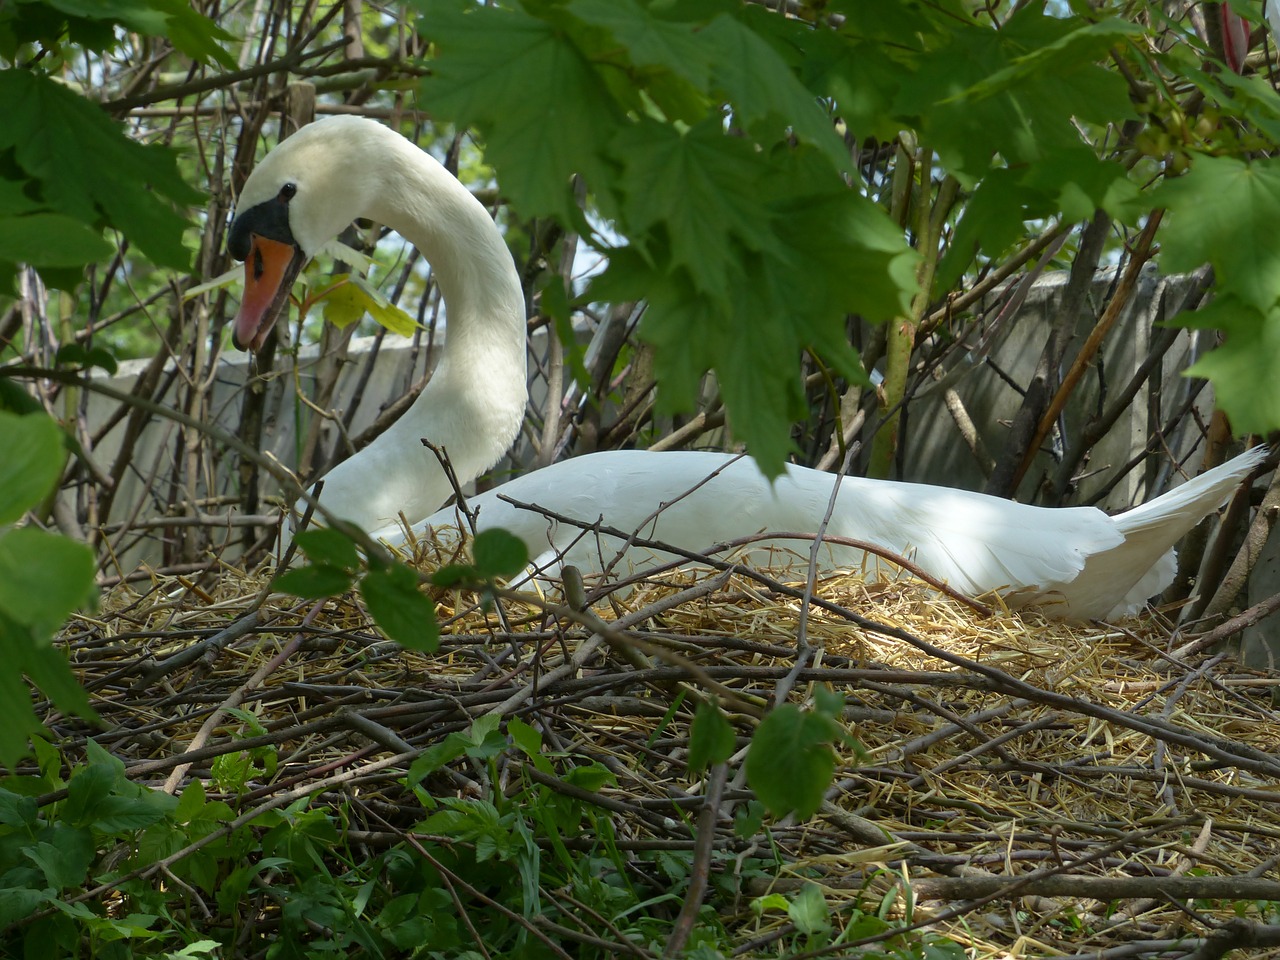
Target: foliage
x=288 y=881
x=43 y=578
x=633 y=100
x=726 y=179
x=791 y=764
x=68 y=170
x=819 y=188
x=390 y=589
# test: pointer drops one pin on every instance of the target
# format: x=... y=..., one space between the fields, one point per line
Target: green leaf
x=13 y=399
x=327 y=546
x=770 y=901
x=17 y=904
x=543 y=110
x=383 y=312
x=523 y=736
x=553 y=300
x=649 y=40
x=748 y=820
x=51 y=240
x=32 y=464
x=1246 y=367
x=809 y=912
x=65 y=864
x=1017 y=91
x=90 y=171
x=1078 y=184
x=78 y=355
x=1041 y=47
x=188 y=30
x=435 y=757
x=344 y=303
x=43 y=578
x=529 y=742
x=485 y=738
x=590 y=776
x=191 y=802
x=765 y=93
x=18 y=721
x=704 y=188
x=47 y=668
x=400 y=609
x=352 y=297
x=790 y=763
x=711 y=737
x=497 y=553
x=452 y=574
x=313 y=582
x=827 y=701
x=860 y=77
x=1234 y=231
x=993 y=220
x=855 y=259
x=14 y=199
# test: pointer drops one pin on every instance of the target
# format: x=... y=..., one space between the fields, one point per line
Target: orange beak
x=269 y=272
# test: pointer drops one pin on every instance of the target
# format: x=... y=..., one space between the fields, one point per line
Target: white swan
x=1076 y=562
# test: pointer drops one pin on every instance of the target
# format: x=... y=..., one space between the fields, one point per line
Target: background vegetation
x=788 y=195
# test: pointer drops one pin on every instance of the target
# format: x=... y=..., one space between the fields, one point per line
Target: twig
x=700 y=870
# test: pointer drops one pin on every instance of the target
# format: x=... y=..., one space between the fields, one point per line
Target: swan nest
x=1029 y=788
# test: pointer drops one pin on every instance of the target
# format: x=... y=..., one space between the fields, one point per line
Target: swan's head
x=298 y=198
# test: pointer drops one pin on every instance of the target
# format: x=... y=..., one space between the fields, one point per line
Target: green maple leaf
x=1076 y=183
x=650 y=41
x=766 y=95
x=1245 y=368
x=748 y=249
x=1016 y=91
x=844 y=254
x=650 y=63
x=524 y=84
x=51 y=240
x=1058 y=58
x=1234 y=229
x=860 y=78
x=188 y=30
x=704 y=188
x=88 y=169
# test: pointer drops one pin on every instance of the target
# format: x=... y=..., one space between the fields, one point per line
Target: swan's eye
x=287 y=192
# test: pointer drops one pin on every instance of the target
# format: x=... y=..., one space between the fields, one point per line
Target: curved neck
x=474 y=404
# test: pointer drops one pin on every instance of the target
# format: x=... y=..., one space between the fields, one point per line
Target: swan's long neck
x=474 y=403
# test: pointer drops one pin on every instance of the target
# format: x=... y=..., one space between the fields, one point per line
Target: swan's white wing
x=975 y=542
x=1076 y=561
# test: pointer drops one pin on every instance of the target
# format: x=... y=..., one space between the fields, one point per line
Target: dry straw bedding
x=1039 y=789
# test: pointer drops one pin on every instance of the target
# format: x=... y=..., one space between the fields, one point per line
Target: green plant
x=43 y=578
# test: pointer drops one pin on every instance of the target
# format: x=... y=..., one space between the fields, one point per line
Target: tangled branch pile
x=1027 y=788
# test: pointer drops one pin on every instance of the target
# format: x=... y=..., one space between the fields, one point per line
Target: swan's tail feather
x=1187 y=505
x=1150 y=531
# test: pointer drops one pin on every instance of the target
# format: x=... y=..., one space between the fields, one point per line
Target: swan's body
x=1073 y=562
x=1078 y=562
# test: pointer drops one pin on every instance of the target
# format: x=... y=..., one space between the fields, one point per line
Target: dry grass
x=1040 y=789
